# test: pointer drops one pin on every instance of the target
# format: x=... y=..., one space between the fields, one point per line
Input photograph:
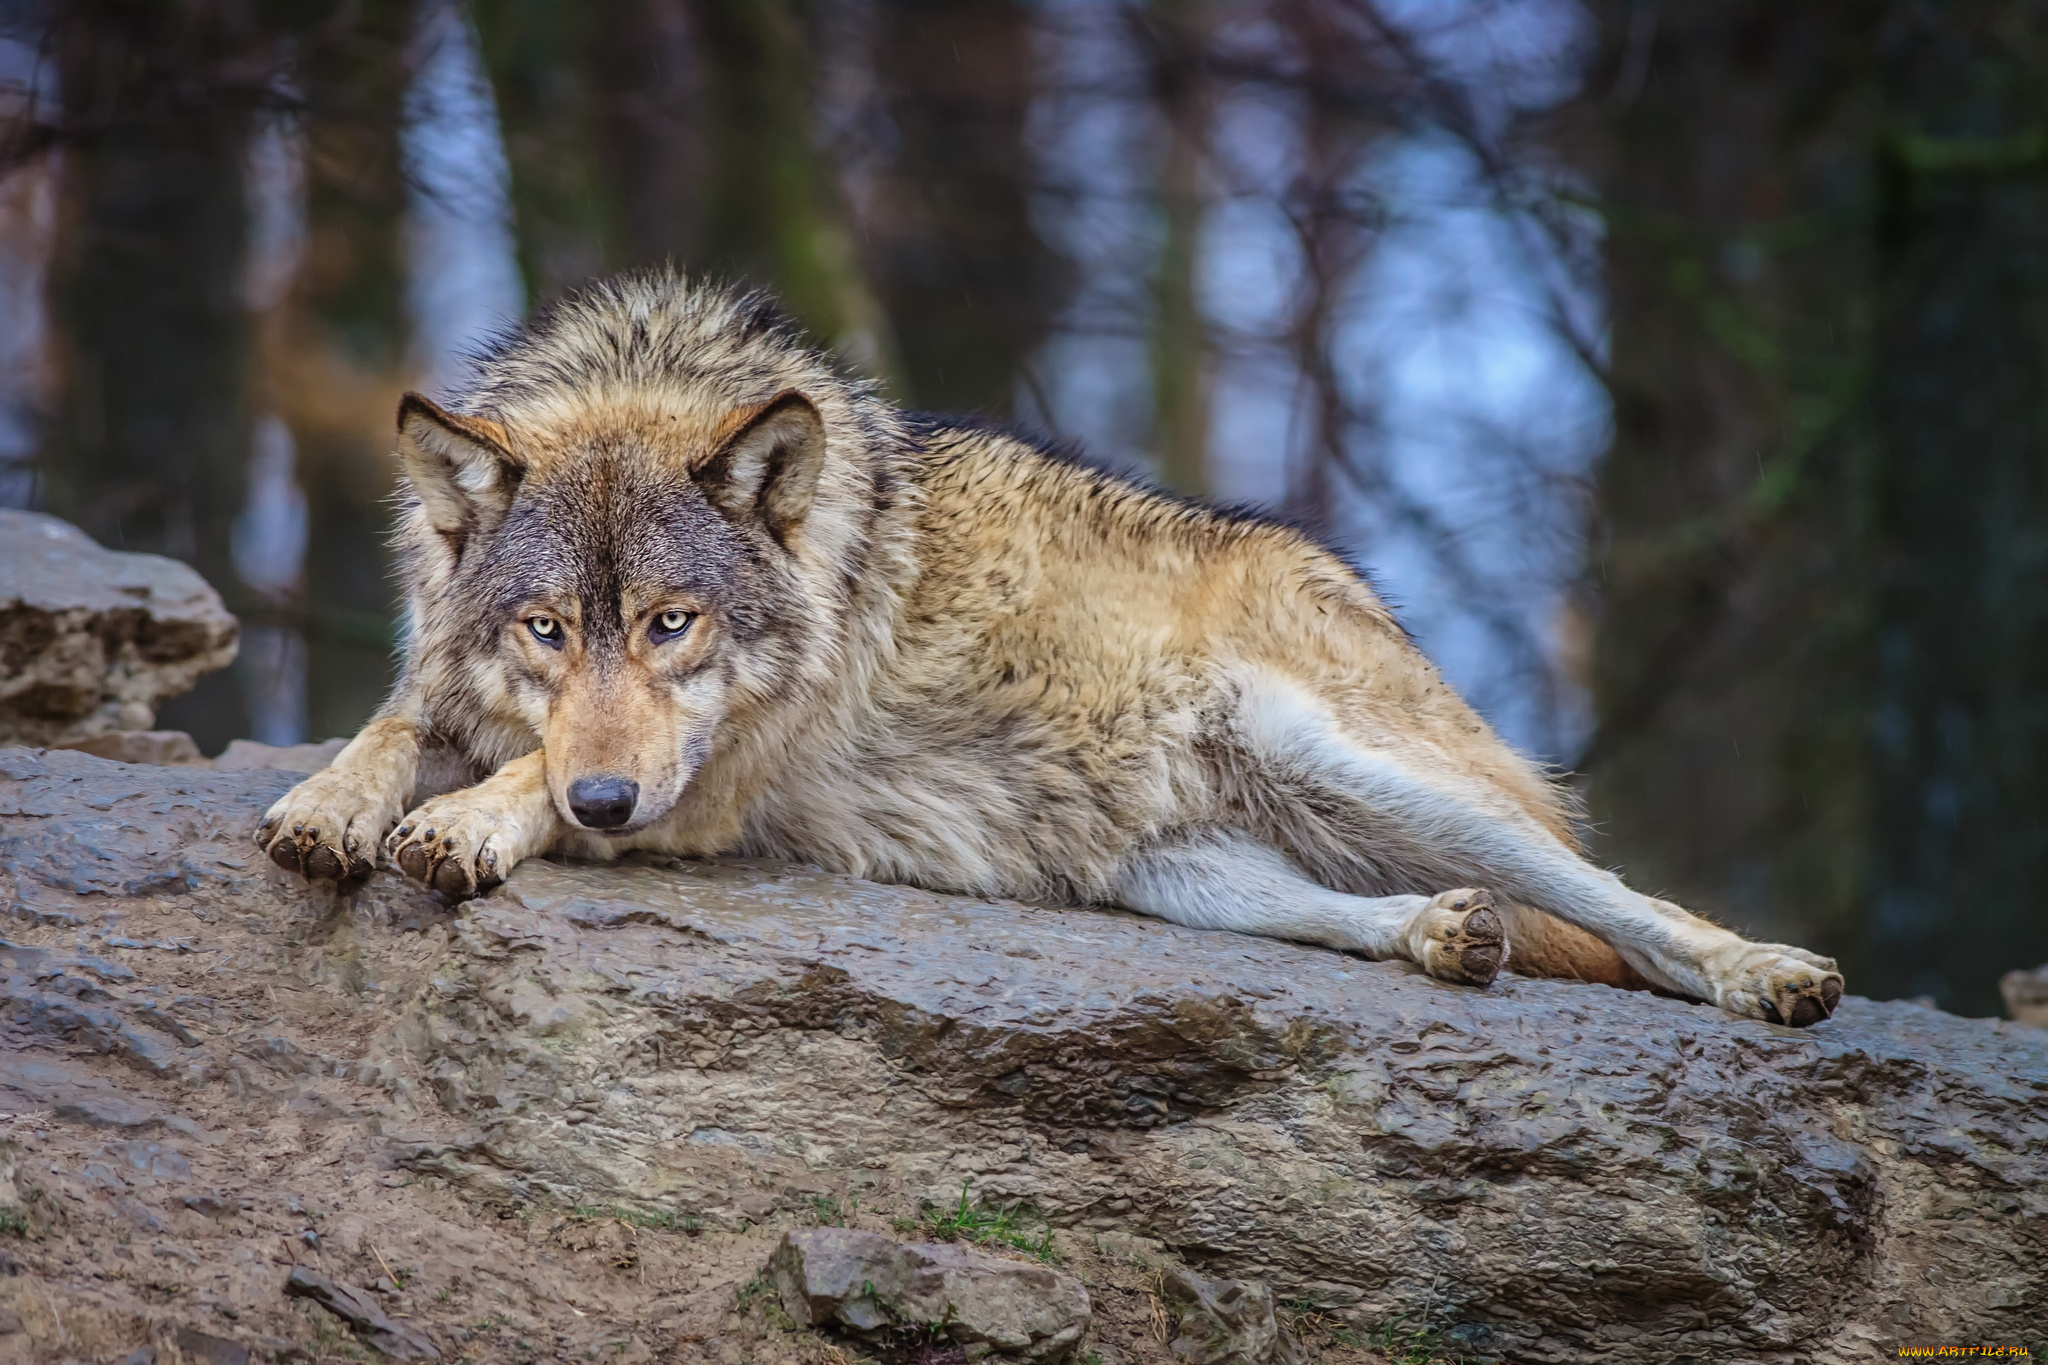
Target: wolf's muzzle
x=603 y=802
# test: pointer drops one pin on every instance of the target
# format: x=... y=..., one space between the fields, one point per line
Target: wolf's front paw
x=1780 y=985
x=1458 y=937
x=326 y=828
x=453 y=845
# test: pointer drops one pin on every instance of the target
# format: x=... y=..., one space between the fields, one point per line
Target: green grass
x=760 y=1293
x=1304 y=1319
x=979 y=1223
x=1403 y=1343
x=13 y=1224
x=1401 y=1339
x=661 y=1219
x=831 y=1213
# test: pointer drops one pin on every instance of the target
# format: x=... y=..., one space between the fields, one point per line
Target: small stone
x=203 y=1348
x=2026 y=995
x=10 y=1322
x=1226 y=1322
x=872 y=1285
x=399 y=1340
x=109 y=1111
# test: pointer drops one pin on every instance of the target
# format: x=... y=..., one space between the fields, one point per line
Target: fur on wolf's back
x=983 y=668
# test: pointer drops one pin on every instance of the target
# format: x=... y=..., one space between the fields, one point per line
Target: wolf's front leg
x=328 y=827
x=467 y=842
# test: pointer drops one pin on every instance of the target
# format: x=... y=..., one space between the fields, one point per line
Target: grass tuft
x=830 y=1212
x=1406 y=1343
x=661 y=1219
x=981 y=1224
x=1403 y=1339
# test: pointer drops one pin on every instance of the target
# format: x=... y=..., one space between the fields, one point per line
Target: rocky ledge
x=577 y=1117
x=92 y=639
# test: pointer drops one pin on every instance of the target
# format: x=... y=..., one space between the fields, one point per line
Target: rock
x=296 y=758
x=362 y=1313
x=92 y=639
x=1226 y=1322
x=869 y=1284
x=2026 y=995
x=702 y=1056
x=176 y=749
x=164 y=748
x=204 y=1348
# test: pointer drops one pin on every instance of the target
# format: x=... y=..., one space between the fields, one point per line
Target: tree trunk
x=1729 y=672
x=1820 y=658
x=772 y=212
x=963 y=275
x=151 y=439
x=1960 y=847
x=645 y=132
x=344 y=362
x=598 y=106
x=1180 y=30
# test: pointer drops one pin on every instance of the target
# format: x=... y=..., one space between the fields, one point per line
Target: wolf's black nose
x=603 y=802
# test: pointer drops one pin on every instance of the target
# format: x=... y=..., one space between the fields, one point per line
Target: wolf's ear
x=768 y=466
x=462 y=468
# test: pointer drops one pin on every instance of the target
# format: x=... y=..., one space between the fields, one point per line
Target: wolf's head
x=614 y=582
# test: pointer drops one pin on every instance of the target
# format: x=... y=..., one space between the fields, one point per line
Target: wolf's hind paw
x=1459 y=937
x=449 y=848
x=1782 y=985
x=326 y=829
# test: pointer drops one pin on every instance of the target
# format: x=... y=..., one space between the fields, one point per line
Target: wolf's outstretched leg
x=328 y=827
x=1359 y=816
x=465 y=843
x=1218 y=879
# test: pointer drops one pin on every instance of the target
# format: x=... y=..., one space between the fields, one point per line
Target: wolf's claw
x=326 y=829
x=448 y=848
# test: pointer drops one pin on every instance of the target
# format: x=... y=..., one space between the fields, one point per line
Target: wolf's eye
x=670 y=624
x=546 y=629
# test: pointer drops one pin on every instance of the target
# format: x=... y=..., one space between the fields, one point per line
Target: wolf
x=676 y=581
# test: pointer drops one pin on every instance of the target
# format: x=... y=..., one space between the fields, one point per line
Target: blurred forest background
x=1680 y=367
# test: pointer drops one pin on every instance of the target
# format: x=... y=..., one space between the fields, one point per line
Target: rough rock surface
x=579 y=1113
x=880 y=1287
x=92 y=639
x=1226 y=1322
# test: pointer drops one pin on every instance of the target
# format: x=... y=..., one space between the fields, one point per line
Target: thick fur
x=930 y=652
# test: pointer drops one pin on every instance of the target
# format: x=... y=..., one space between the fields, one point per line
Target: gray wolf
x=676 y=582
